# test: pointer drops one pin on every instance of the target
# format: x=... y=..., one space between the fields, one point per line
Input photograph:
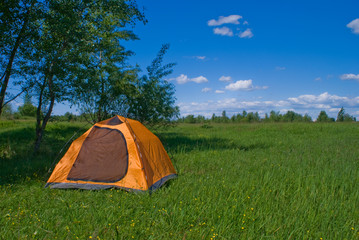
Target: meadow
x=235 y=181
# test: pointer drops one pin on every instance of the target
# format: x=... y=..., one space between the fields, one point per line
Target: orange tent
x=118 y=152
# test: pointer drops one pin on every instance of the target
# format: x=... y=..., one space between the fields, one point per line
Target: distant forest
x=273 y=116
x=28 y=111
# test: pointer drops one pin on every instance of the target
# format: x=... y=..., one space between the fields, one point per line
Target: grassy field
x=246 y=181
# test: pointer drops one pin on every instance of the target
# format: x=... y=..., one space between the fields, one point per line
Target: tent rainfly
x=118 y=152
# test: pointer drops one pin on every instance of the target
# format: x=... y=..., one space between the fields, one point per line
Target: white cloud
x=350 y=76
x=224 y=31
x=302 y=104
x=225 y=79
x=318 y=79
x=206 y=90
x=240 y=85
x=231 y=19
x=199 y=79
x=200 y=57
x=335 y=110
x=231 y=105
x=246 y=34
x=219 y=91
x=244 y=85
x=182 y=79
x=280 y=68
x=354 y=25
x=324 y=100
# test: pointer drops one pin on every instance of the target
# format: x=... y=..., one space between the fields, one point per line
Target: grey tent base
x=162 y=181
x=93 y=186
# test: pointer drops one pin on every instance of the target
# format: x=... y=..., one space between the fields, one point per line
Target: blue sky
x=256 y=55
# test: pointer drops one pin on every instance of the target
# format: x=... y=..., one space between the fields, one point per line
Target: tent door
x=103 y=157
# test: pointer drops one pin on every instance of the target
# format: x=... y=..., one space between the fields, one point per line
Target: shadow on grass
x=178 y=142
x=19 y=163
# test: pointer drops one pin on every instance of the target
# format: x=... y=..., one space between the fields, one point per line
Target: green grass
x=247 y=181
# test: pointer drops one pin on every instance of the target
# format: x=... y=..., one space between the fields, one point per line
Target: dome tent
x=118 y=152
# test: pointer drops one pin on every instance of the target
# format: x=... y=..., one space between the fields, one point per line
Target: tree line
x=73 y=51
x=273 y=116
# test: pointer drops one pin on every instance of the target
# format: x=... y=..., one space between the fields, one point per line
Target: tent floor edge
x=87 y=186
x=162 y=181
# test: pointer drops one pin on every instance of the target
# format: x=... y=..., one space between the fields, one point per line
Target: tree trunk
x=6 y=77
x=38 y=118
x=40 y=127
x=40 y=130
x=100 y=104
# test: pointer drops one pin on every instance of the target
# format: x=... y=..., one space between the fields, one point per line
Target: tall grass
x=17 y=158
x=247 y=181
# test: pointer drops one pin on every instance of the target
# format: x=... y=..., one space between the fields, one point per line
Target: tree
x=75 y=38
x=104 y=94
x=7 y=111
x=213 y=117
x=189 y=119
x=18 y=27
x=275 y=116
x=344 y=117
x=349 y=118
x=200 y=119
x=233 y=118
x=307 y=118
x=53 y=58
x=266 y=117
x=27 y=109
x=153 y=102
x=103 y=81
x=340 y=116
x=256 y=117
x=291 y=116
x=224 y=119
x=251 y=117
x=238 y=117
x=323 y=117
